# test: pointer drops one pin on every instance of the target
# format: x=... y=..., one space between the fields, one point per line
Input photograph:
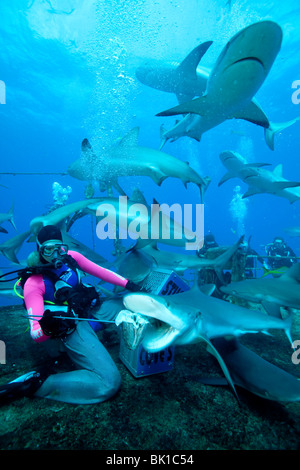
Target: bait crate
x=139 y=361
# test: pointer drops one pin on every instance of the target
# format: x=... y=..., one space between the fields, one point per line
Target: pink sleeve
x=34 y=290
x=98 y=271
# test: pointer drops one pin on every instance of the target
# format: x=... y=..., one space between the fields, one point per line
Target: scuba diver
x=247 y=258
x=280 y=255
x=209 y=242
x=54 y=297
x=208 y=275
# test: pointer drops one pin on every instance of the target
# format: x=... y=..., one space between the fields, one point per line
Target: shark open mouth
x=163 y=327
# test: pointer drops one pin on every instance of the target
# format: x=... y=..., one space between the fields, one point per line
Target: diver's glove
x=133 y=287
x=57 y=327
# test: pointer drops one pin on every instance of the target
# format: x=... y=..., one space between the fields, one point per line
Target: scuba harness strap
x=79 y=298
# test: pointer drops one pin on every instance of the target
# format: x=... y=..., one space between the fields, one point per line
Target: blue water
x=69 y=71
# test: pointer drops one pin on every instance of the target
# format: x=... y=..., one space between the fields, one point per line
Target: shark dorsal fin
x=85 y=145
x=189 y=65
x=131 y=138
x=87 y=152
x=278 y=171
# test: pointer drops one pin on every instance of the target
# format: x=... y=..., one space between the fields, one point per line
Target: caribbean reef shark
x=180 y=262
x=7 y=217
x=129 y=159
x=58 y=215
x=272 y=293
x=237 y=75
x=10 y=247
x=253 y=373
x=259 y=179
x=192 y=316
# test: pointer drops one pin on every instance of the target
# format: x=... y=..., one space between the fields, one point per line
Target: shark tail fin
x=203 y=187
x=221 y=261
x=288 y=326
x=163 y=138
x=11 y=216
x=274 y=128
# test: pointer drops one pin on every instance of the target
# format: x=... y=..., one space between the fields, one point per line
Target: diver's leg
x=97 y=379
x=108 y=310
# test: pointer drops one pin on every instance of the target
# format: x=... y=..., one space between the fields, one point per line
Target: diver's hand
x=56 y=327
x=133 y=287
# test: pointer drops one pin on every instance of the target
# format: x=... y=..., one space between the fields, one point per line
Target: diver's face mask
x=279 y=243
x=53 y=251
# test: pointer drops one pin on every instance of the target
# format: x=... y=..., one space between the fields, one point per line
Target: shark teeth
x=159 y=338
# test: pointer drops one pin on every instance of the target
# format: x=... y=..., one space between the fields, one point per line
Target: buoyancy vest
x=64 y=286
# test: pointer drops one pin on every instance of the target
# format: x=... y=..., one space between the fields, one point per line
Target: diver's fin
x=24 y=386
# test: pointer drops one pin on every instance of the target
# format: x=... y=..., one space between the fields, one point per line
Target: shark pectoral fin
x=3 y=230
x=251 y=192
x=253 y=113
x=226 y=177
x=196 y=106
x=212 y=350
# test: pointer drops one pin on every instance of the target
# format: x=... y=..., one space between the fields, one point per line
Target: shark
x=127 y=158
x=259 y=180
x=271 y=293
x=253 y=373
x=239 y=72
x=293 y=231
x=10 y=247
x=193 y=316
x=180 y=262
x=58 y=215
x=9 y=216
